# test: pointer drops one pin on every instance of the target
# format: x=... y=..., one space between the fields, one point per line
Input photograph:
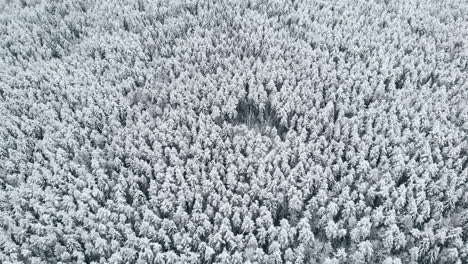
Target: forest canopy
x=302 y=131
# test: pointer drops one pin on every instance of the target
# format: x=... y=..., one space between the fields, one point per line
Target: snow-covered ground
x=233 y=131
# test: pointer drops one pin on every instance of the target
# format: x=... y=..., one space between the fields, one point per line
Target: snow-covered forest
x=249 y=131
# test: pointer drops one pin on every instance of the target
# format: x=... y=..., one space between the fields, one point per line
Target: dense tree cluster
x=235 y=132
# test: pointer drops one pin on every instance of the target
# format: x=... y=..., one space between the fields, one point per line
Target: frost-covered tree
x=233 y=131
